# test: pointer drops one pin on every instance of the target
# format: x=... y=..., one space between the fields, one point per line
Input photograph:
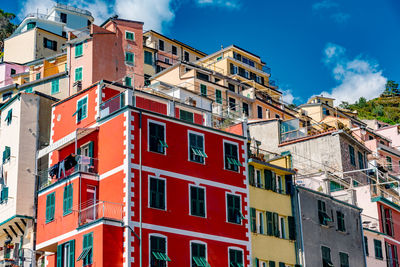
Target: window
x=273 y=224
x=199 y=257
x=129 y=35
x=282 y=227
x=55 y=86
x=322 y=215
x=231 y=157
x=197 y=201
x=66 y=254
x=202 y=76
x=161 y=45
x=360 y=160
x=67 y=199
x=7 y=96
x=157 y=193
x=50 y=44
x=259 y=183
x=157 y=138
x=129 y=58
x=87 y=251
x=216 y=80
x=50 y=206
x=231 y=87
x=253 y=220
x=128 y=81
x=277 y=116
x=378 y=249
x=391 y=255
x=233 y=69
x=186 y=115
x=30 y=25
x=4 y=194
x=78 y=74
x=81 y=109
x=63 y=17
x=186 y=55
x=340 y=221
x=235 y=258
x=259 y=112
x=246 y=109
x=196 y=148
x=232 y=104
x=389 y=163
x=352 y=156
x=280 y=185
x=8 y=119
x=218 y=96
x=38 y=76
x=270 y=180
x=174 y=50
x=79 y=50
x=203 y=90
x=344 y=259
x=366 y=245
x=166 y=60
x=271 y=264
x=64 y=34
x=326 y=257
x=260 y=227
x=233 y=209
x=386 y=220
x=282 y=264
x=158 y=252
x=148 y=58
x=12 y=71
x=6 y=154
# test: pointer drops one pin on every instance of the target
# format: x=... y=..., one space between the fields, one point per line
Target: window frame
x=149 y=189
x=238 y=155
x=149 y=56
x=126 y=35
x=68 y=198
x=189 y=147
x=227 y=208
x=81 y=70
x=218 y=99
x=163 y=45
x=78 y=120
x=237 y=249
x=377 y=241
x=129 y=63
x=340 y=259
x=52 y=207
x=81 y=49
x=166 y=245
x=190 y=200
x=190 y=248
x=148 y=136
x=352 y=155
x=55 y=83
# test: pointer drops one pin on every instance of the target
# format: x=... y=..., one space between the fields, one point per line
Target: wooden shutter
x=289 y=183
x=276 y=224
x=270 y=224
x=65 y=199
x=59 y=256
x=253 y=220
x=292 y=228
x=273 y=182
x=251 y=174
x=91 y=149
x=268 y=179
x=72 y=253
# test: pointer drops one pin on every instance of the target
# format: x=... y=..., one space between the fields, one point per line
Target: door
x=91 y=210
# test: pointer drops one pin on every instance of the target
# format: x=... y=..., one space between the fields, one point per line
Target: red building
x=134 y=185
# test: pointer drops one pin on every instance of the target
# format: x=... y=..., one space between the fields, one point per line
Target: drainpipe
x=140 y=190
x=362 y=239
x=302 y=258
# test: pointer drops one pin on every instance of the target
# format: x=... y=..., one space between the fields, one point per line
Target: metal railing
x=75 y=9
x=100 y=210
x=78 y=164
x=116 y=103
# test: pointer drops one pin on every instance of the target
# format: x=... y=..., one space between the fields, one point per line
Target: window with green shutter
x=196 y=148
x=272 y=224
x=81 y=109
x=78 y=74
x=340 y=221
x=129 y=58
x=67 y=199
x=352 y=156
x=4 y=194
x=366 y=245
x=157 y=193
x=38 y=76
x=197 y=201
x=66 y=254
x=378 y=249
x=234 y=209
x=360 y=160
x=292 y=228
x=251 y=175
x=157 y=138
x=322 y=215
x=344 y=259
x=259 y=182
x=326 y=257
x=50 y=206
x=235 y=258
x=6 y=154
x=129 y=35
x=8 y=119
x=199 y=257
x=79 y=50
x=253 y=220
x=148 y=58
x=271 y=264
x=87 y=250
x=55 y=86
x=231 y=157
x=158 y=251
x=389 y=163
x=203 y=90
x=282 y=264
x=186 y=115
x=275 y=219
x=128 y=81
x=268 y=179
x=218 y=96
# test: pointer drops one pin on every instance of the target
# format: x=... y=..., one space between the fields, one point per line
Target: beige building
x=25 y=127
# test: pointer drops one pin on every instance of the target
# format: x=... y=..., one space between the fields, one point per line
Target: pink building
x=112 y=51
x=393 y=133
x=7 y=69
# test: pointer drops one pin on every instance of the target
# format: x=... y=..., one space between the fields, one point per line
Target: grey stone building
x=329 y=231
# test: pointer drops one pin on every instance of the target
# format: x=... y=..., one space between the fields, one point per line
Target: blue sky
x=345 y=49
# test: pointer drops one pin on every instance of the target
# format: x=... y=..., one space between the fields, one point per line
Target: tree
x=362 y=102
x=6 y=27
x=344 y=105
x=391 y=89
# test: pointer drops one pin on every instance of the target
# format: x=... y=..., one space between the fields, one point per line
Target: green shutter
x=148 y=58
x=271 y=264
x=270 y=224
x=292 y=228
x=91 y=146
x=253 y=220
x=276 y=224
x=59 y=256
x=9 y=117
x=218 y=96
x=55 y=86
x=203 y=90
x=78 y=74
x=78 y=50
x=251 y=174
x=268 y=179
x=65 y=200
x=281 y=264
x=273 y=182
x=72 y=253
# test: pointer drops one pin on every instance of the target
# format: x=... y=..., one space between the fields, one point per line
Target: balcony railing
x=116 y=103
x=72 y=165
x=101 y=210
x=267 y=69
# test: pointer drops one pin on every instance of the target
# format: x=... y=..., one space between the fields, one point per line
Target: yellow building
x=244 y=66
x=271 y=218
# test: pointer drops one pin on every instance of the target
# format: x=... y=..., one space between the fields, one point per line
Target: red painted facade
x=120 y=213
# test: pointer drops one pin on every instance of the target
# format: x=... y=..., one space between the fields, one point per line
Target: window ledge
x=79 y=56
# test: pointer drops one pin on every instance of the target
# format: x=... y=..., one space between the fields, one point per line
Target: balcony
x=116 y=103
x=72 y=165
x=266 y=70
x=101 y=210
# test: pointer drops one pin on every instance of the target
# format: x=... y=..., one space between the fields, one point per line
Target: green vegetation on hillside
x=385 y=108
x=6 y=28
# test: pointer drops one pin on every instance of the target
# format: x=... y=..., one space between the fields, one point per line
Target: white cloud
x=234 y=4
x=325 y=4
x=356 y=77
x=287 y=96
x=35 y=6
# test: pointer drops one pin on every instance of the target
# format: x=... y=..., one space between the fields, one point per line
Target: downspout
x=362 y=239
x=303 y=259
x=140 y=191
